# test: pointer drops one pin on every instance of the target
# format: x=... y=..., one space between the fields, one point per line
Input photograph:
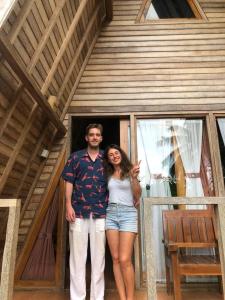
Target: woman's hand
x=135 y=185
x=135 y=170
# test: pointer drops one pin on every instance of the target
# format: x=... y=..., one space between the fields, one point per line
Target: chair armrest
x=175 y=246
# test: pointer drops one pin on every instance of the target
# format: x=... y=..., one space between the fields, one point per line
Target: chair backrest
x=188 y=226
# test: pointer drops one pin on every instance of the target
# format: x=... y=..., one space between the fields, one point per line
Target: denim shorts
x=121 y=217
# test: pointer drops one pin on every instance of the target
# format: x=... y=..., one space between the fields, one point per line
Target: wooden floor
x=140 y=295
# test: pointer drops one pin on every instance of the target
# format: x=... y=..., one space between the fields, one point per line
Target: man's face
x=93 y=138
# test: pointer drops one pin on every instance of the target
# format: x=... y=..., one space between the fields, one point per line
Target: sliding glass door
x=175 y=161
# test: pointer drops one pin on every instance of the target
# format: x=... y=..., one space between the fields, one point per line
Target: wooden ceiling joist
x=79 y=49
x=109 y=10
x=65 y=43
x=20 y=20
x=16 y=97
x=31 y=159
x=18 y=147
x=79 y=76
x=45 y=36
x=17 y=65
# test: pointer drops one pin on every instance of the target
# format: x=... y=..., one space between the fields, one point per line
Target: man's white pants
x=78 y=236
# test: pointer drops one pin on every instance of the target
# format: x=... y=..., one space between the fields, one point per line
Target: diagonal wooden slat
x=64 y=45
x=17 y=96
x=36 y=225
x=17 y=65
x=79 y=49
x=20 y=20
x=45 y=36
x=17 y=147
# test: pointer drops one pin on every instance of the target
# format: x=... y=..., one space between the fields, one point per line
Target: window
x=175 y=158
x=221 y=135
x=167 y=9
x=175 y=161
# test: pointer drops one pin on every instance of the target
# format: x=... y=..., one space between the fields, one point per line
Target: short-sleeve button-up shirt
x=90 y=195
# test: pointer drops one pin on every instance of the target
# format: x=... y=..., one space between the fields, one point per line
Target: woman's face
x=114 y=157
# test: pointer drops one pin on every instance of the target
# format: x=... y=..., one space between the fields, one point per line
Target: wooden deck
x=140 y=295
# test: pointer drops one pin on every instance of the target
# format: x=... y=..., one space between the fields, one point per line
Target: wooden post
x=108 y=10
x=9 y=255
x=179 y=171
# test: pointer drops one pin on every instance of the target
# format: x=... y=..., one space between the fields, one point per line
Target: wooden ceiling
x=44 y=48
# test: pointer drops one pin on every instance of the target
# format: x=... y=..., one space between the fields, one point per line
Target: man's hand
x=70 y=214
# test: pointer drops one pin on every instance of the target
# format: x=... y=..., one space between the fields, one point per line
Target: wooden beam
x=45 y=37
x=16 y=97
x=64 y=45
x=18 y=67
x=36 y=225
x=108 y=10
x=214 y=145
x=17 y=147
x=66 y=107
x=31 y=158
x=9 y=255
x=20 y=20
x=60 y=236
x=78 y=50
x=35 y=180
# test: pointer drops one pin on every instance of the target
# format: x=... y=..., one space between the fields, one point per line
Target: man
x=86 y=201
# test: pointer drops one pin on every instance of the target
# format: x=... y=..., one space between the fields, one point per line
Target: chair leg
x=168 y=281
x=220 y=282
x=176 y=276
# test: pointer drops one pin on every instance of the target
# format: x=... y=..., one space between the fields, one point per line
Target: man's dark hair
x=94 y=125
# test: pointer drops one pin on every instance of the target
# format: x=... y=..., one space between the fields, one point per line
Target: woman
x=121 y=216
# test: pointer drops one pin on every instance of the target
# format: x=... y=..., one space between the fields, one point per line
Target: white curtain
x=189 y=139
x=221 y=123
x=154 y=149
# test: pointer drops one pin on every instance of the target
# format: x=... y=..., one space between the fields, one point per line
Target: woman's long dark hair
x=125 y=164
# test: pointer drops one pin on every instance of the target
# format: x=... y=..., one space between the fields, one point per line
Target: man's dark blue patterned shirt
x=90 y=194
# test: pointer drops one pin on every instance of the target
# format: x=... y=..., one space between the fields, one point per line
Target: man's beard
x=93 y=147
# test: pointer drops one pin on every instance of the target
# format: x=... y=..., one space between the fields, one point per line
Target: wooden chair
x=189 y=229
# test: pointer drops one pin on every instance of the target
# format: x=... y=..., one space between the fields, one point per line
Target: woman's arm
x=135 y=185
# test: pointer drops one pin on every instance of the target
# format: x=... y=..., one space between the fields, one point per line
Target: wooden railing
x=9 y=254
x=219 y=203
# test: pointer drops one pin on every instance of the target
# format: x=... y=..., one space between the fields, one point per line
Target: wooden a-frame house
x=66 y=63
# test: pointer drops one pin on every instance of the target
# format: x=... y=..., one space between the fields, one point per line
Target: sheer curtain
x=189 y=139
x=41 y=263
x=154 y=149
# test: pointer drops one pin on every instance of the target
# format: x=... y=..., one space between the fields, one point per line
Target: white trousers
x=78 y=237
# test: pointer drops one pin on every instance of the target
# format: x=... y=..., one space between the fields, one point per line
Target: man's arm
x=70 y=213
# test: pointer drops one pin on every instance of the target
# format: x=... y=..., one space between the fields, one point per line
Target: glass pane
x=175 y=158
x=163 y=9
x=221 y=135
x=175 y=161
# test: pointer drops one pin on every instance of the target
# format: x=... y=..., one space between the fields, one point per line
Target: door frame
x=132 y=117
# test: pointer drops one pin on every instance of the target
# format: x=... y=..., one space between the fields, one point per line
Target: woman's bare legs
x=113 y=237
x=126 y=245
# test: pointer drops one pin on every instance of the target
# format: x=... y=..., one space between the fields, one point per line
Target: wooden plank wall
x=164 y=65
x=54 y=39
